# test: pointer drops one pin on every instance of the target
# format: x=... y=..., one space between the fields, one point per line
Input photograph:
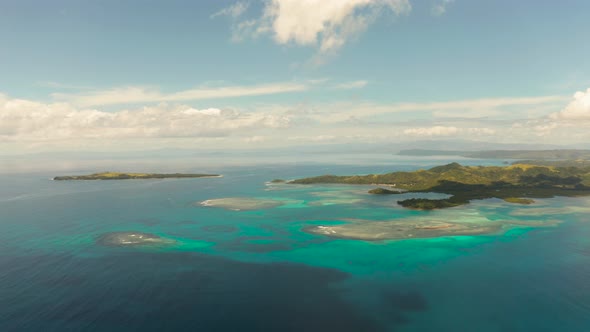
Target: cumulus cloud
x=440 y=7
x=24 y=120
x=135 y=94
x=325 y=24
x=26 y=123
x=234 y=11
x=577 y=109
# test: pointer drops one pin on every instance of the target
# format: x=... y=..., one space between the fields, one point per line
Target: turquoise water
x=258 y=270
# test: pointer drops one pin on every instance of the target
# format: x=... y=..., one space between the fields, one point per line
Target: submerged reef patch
x=370 y=230
x=242 y=203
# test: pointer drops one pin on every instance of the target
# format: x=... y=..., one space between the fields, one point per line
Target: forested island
x=127 y=176
x=515 y=183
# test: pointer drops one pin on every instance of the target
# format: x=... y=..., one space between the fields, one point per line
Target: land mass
x=130 y=239
x=515 y=183
x=126 y=176
x=559 y=154
x=383 y=191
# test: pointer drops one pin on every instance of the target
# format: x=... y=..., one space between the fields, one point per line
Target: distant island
x=514 y=184
x=128 y=176
x=559 y=154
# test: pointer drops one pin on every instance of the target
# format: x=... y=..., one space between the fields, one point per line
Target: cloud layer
x=448 y=131
x=496 y=119
x=23 y=120
x=137 y=95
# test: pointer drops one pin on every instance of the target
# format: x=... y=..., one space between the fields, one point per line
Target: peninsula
x=127 y=176
x=515 y=183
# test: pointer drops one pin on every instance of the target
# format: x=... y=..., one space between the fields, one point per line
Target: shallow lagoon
x=258 y=269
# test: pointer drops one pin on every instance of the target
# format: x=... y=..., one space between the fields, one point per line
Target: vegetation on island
x=465 y=183
x=278 y=181
x=429 y=204
x=126 y=176
x=383 y=191
x=519 y=200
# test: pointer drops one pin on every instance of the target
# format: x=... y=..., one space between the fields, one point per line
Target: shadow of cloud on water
x=180 y=292
x=397 y=303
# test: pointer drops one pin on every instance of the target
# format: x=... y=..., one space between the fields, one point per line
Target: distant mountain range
x=558 y=154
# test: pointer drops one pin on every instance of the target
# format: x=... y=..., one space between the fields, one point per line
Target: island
x=519 y=200
x=132 y=239
x=516 y=183
x=383 y=191
x=128 y=176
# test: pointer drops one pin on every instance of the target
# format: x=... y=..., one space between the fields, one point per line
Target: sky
x=131 y=75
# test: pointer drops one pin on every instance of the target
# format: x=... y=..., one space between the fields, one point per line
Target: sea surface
x=240 y=270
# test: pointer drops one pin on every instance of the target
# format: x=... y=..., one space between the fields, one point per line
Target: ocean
x=225 y=269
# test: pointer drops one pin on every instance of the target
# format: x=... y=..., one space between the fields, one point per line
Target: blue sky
x=285 y=72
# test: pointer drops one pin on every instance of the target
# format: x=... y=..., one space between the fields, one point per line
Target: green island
x=516 y=183
x=519 y=200
x=383 y=191
x=127 y=176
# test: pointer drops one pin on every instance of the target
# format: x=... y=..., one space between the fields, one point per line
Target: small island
x=132 y=239
x=519 y=200
x=517 y=183
x=383 y=191
x=128 y=176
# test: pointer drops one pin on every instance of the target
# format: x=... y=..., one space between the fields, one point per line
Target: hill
x=466 y=183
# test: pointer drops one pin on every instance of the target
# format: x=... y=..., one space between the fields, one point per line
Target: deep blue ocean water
x=259 y=271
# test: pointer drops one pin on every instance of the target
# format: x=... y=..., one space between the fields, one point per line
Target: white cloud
x=352 y=85
x=325 y=24
x=49 y=125
x=135 y=94
x=440 y=7
x=468 y=108
x=448 y=131
x=481 y=131
x=577 y=109
x=234 y=11
x=62 y=86
x=24 y=120
x=432 y=131
x=255 y=139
